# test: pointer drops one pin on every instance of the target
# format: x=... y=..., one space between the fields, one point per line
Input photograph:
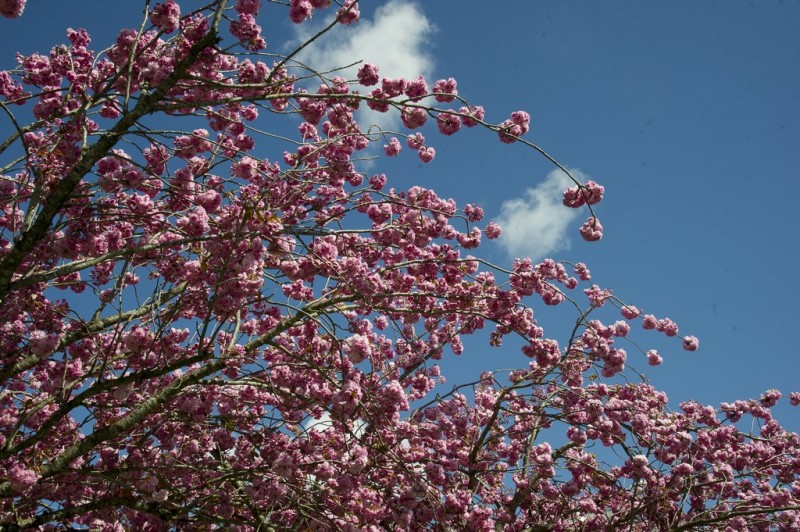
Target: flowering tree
x=193 y=335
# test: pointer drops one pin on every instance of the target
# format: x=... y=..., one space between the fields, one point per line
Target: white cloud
x=325 y=422
x=318 y=425
x=396 y=40
x=538 y=224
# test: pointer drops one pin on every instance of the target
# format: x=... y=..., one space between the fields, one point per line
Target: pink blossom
x=620 y=328
x=248 y=7
x=393 y=148
x=770 y=398
x=297 y=290
x=137 y=339
x=591 y=230
x=522 y=119
x=630 y=312
x=426 y=154
x=43 y=344
x=110 y=109
x=312 y=110
x=473 y=113
x=245 y=168
x=514 y=127
x=573 y=197
x=248 y=32
x=12 y=8
x=413 y=117
x=683 y=469
x=649 y=321
x=308 y=132
x=194 y=223
x=640 y=461
x=379 y=106
x=415 y=141
x=396 y=396
x=249 y=113
x=416 y=89
x=473 y=213
x=582 y=271
x=444 y=90
x=794 y=398
x=653 y=358
x=593 y=192
x=187 y=146
x=597 y=296
x=210 y=200
x=250 y=72
x=340 y=116
x=448 y=123
x=508 y=132
x=393 y=86
x=22 y=478
x=470 y=240
x=691 y=343
x=166 y=16
x=368 y=74
x=348 y=13
x=667 y=326
x=299 y=10
x=357 y=348
x=492 y=231
x=156 y=156
x=377 y=181
x=11 y=89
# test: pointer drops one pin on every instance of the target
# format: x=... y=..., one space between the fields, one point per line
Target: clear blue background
x=688 y=112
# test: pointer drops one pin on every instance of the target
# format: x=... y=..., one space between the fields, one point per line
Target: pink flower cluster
x=368 y=74
x=591 y=230
x=12 y=8
x=513 y=128
x=393 y=148
x=248 y=32
x=445 y=91
x=589 y=194
x=166 y=16
x=301 y=10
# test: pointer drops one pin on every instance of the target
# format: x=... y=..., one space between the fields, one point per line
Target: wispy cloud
x=537 y=224
x=396 y=39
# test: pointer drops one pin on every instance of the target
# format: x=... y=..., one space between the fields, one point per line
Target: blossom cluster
x=12 y=8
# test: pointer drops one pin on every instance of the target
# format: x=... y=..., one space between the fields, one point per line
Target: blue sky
x=687 y=112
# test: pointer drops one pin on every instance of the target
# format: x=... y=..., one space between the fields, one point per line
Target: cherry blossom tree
x=194 y=334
